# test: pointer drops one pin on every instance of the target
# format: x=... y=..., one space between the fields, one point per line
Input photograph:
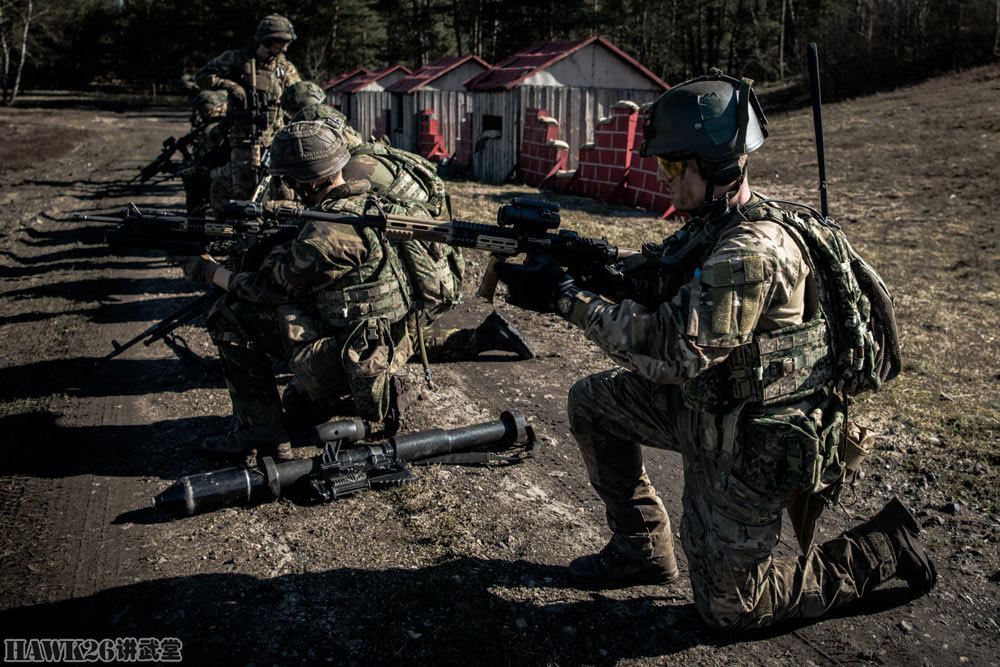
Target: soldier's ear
x=726 y=172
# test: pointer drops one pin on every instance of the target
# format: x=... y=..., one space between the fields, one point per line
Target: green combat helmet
x=275 y=27
x=308 y=151
x=301 y=94
x=207 y=102
x=708 y=118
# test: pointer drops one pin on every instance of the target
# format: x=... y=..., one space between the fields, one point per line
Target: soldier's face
x=686 y=186
x=273 y=48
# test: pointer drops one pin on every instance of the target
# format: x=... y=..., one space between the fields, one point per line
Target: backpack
x=414 y=177
x=855 y=302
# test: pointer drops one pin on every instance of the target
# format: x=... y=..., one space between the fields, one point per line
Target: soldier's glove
x=235 y=91
x=200 y=269
x=608 y=281
x=536 y=286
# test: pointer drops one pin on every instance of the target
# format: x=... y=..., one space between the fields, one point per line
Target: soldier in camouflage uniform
x=681 y=322
x=261 y=71
x=332 y=303
x=209 y=150
x=305 y=100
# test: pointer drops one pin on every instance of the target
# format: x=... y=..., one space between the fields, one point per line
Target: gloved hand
x=236 y=92
x=536 y=286
x=200 y=269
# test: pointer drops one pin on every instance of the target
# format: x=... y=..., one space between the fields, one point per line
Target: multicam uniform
x=332 y=303
x=754 y=284
x=271 y=78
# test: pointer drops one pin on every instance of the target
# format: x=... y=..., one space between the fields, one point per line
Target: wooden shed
x=438 y=87
x=364 y=99
x=330 y=87
x=576 y=82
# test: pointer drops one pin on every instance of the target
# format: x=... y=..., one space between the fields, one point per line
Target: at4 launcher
x=523 y=226
x=343 y=469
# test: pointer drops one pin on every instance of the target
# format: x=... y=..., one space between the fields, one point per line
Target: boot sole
x=650 y=579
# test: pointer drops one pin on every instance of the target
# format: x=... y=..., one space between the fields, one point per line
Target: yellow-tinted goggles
x=671 y=169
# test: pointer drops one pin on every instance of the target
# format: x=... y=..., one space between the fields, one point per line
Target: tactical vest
x=268 y=80
x=378 y=288
x=407 y=176
x=763 y=384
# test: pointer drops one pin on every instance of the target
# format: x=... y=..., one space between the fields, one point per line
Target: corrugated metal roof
x=343 y=77
x=432 y=71
x=354 y=85
x=513 y=69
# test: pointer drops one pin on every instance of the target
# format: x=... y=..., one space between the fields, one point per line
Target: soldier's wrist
x=574 y=303
x=222 y=277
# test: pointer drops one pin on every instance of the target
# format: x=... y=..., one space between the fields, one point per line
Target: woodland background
x=145 y=46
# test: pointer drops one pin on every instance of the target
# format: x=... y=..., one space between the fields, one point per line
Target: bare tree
x=996 y=42
x=10 y=92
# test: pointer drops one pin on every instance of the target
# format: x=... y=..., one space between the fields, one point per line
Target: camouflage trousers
x=330 y=367
x=728 y=534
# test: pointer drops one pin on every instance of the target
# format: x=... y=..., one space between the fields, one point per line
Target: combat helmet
x=275 y=27
x=207 y=101
x=308 y=151
x=714 y=118
x=301 y=94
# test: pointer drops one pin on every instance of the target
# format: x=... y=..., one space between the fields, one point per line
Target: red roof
x=513 y=69
x=354 y=85
x=432 y=71
x=343 y=77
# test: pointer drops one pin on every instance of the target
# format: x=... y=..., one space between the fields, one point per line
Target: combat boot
x=896 y=528
x=611 y=568
x=498 y=333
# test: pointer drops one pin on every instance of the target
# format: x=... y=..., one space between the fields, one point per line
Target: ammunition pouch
x=776 y=367
x=788 y=449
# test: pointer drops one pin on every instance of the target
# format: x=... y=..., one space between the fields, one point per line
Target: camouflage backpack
x=413 y=177
x=435 y=270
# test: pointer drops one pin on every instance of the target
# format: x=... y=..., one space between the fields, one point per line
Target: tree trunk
x=781 y=43
x=996 y=42
x=5 y=57
x=24 y=52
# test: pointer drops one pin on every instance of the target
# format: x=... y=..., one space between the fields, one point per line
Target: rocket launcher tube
x=340 y=470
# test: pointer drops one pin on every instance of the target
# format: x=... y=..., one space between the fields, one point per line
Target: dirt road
x=465 y=565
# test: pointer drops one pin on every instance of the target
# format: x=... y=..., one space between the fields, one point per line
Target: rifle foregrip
x=488 y=285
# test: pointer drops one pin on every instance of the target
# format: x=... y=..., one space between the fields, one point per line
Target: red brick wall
x=644 y=190
x=431 y=141
x=610 y=169
x=603 y=166
x=542 y=154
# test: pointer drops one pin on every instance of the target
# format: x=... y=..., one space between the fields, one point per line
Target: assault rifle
x=522 y=227
x=163 y=162
x=244 y=243
x=164 y=329
x=341 y=471
x=242 y=237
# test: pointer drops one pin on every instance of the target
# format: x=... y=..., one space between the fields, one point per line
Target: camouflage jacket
x=324 y=257
x=210 y=148
x=272 y=77
x=752 y=280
